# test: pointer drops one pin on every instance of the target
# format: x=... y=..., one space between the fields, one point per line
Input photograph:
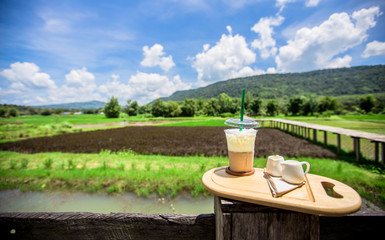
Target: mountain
x=328 y=82
x=76 y=105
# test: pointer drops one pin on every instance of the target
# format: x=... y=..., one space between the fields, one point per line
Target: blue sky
x=78 y=50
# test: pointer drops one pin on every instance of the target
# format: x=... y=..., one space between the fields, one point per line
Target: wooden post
x=356 y=147
x=325 y=138
x=376 y=152
x=383 y=153
x=315 y=135
x=240 y=220
x=338 y=143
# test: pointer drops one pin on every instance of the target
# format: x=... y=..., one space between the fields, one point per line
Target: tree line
x=224 y=106
x=11 y=110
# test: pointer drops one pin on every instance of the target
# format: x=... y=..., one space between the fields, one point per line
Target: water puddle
x=17 y=201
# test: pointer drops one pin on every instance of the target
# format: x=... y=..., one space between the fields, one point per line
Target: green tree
x=211 y=108
x=294 y=105
x=32 y=111
x=225 y=103
x=13 y=112
x=271 y=108
x=112 y=108
x=144 y=109
x=255 y=105
x=199 y=104
x=310 y=106
x=3 y=112
x=46 y=112
x=367 y=103
x=188 y=107
x=58 y=110
x=172 y=109
x=131 y=108
x=158 y=108
x=327 y=104
x=248 y=100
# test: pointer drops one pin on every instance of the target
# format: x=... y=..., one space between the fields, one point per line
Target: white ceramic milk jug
x=273 y=166
x=292 y=171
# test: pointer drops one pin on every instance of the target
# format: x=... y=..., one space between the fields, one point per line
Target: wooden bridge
x=309 y=131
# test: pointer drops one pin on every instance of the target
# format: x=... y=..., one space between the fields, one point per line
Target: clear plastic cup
x=240 y=145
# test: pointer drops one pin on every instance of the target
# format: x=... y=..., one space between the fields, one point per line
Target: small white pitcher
x=292 y=171
x=273 y=166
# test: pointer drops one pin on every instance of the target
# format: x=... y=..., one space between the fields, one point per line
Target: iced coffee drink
x=240 y=145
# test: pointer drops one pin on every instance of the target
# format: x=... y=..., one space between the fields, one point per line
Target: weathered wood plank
x=357 y=148
x=338 y=143
x=106 y=226
x=251 y=221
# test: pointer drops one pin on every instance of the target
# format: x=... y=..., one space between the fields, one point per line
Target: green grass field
x=145 y=174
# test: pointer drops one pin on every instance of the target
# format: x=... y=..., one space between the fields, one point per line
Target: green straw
x=242 y=108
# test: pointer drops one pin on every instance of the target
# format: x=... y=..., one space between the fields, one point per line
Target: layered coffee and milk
x=240 y=145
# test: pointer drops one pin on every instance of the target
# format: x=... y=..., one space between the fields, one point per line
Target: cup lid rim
x=246 y=123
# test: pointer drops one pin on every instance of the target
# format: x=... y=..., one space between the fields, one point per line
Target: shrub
x=112 y=108
x=48 y=163
x=24 y=163
x=46 y=112
x=3 y=112
x=12 y=164
x=71 y=164
x=13 y=112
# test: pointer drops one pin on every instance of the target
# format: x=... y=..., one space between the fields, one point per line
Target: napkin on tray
x=278 y=186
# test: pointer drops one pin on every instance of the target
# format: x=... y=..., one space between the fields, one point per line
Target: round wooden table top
x=319 y=195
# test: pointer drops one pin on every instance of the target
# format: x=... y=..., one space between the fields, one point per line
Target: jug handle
x=307 y=168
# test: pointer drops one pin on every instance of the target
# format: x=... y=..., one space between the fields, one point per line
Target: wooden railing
x=309 y=131
x=232 y=220
x=87 y=226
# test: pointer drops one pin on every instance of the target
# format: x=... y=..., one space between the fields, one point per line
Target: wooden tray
x=311 y=198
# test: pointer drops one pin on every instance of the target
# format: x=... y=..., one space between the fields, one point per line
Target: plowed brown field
x=173 y=141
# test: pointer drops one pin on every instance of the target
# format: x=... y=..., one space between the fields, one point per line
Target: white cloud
x=229 y=58
x=40 y=99
x=80 y=78
x=282 y=3
x=27 y=75
x=117 y=89
x=339 y=62
x=79 y=86
x=374 y=48
x=312 y=3
x=143 y=87
x=153 y=57
x=150 y=86
x=308 y=3
x=319 y=47
x=266 y=43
